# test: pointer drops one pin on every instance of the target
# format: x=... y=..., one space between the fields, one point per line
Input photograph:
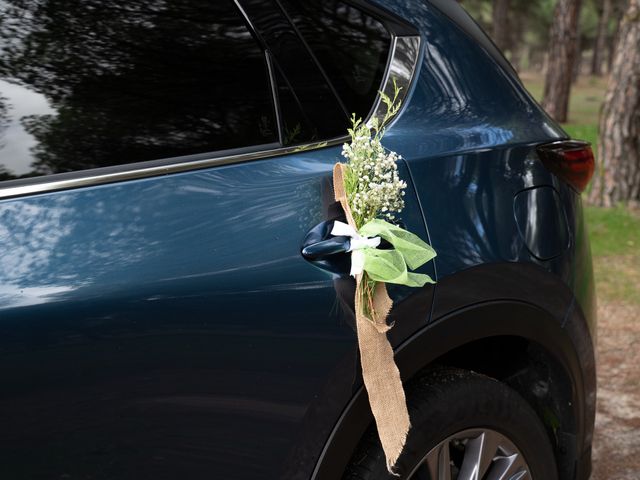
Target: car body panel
x=168 y=326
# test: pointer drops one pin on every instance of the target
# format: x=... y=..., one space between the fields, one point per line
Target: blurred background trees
x=521 y=29
x=562 y=59
x=618 y=179
x=581 y=60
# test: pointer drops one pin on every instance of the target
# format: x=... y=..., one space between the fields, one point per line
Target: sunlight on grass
x=615 y=243
x=613 y=231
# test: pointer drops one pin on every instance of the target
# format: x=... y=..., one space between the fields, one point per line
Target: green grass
x=586 y=99
x=617 y=279
x=615 y=244
x=613 y=231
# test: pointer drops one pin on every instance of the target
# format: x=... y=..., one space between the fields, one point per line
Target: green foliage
x=589 y=16
x=536 y=21
x=291 y=136
x=480 y=10
x=613 y=231
x=615 y=243
x=532 y=20
x=529 y=24
x=393 y=106
x=392 y=266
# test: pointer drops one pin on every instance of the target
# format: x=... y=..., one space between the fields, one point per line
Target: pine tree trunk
x=577 y=62
x=618 y=10
x=500 y=20
x=517 y=28
x=563 y=42
x=600 y=45
x=618 y=178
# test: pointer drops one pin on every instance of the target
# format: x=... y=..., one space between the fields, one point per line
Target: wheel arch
x=453 y=338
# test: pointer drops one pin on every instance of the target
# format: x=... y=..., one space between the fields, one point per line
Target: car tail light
x=571 y=160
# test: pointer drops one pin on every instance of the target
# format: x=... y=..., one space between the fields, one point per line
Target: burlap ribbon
x=379 y=371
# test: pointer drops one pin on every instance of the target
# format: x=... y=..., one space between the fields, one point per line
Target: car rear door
x=157 y=319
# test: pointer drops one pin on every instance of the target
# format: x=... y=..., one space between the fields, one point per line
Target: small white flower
x=379 y=190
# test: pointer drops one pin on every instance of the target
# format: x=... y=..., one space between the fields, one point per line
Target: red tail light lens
x=571 y=160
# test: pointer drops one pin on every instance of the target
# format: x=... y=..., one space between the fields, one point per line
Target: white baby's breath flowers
x=372 y=183
x=376 y=189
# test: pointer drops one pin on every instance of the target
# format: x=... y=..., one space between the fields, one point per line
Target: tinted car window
x=92 y=83
x=297 y=126
x=304 y=92
x=350 y=45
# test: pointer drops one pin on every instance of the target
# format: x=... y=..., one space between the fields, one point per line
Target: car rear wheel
x=465 y=426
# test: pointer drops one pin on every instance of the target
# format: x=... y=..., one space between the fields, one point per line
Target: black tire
x=446 y=401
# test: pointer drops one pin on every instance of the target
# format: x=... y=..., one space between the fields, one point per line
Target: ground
x=615 y=241
x=615 y=237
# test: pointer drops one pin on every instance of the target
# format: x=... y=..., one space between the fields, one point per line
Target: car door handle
x=325 y=248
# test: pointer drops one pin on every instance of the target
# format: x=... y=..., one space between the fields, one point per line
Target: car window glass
x=350 y=45
x=305 y=94
x=296 y=125
x=93 y=83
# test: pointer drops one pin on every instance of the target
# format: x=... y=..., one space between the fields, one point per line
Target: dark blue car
x=164 y=163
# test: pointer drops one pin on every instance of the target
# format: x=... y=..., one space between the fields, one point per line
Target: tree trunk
x=517 y=28
x=618 y=10
x=600 y=45
x=618 y=178
x=577 y=62
x=563 y=40
x=500 y=20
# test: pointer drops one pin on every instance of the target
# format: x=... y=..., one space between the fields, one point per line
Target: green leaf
x=415 y=251
x=418 y=279
x=390 y=266
x=385 y=265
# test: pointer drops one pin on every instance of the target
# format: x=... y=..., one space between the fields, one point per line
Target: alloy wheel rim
x=473 y=454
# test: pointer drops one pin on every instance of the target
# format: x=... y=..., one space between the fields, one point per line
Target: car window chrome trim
x=402 y=63
x=274 y=94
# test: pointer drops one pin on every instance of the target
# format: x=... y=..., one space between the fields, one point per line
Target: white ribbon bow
x=357 y=243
